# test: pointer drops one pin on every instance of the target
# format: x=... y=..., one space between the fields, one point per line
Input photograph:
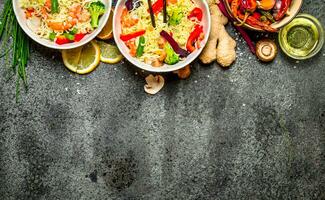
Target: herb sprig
x=17 y=55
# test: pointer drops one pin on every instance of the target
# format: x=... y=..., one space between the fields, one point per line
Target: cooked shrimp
x=62 y=26
x=127 y=20
x=132 y=47
x=76 y=11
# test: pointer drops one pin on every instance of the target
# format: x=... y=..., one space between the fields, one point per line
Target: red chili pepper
x=132 y=35
x=234 y=7
x=247 y=7
x=78 y=37
x=256 y=15
x=193 y=37
x=257 y=23
x=61 y=39
x=285 y=4
x=196 y=13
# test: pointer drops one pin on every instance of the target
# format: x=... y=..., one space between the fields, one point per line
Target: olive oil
x=301 y=37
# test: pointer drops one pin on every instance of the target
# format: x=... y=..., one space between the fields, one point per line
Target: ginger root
x=220 y=46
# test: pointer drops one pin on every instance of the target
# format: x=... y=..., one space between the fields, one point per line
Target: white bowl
x=206 y=21
x=22 y=22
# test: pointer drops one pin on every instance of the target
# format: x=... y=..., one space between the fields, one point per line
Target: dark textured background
x=255 y=131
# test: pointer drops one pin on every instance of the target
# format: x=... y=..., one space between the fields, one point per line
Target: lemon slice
x=82 y=60
x=107 y=32
x=109 y=53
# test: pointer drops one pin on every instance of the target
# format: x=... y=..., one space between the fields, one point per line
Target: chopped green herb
x=140 y=46
x=54 y=6
x=69 y=36
x=74 y=31
x=52 y=36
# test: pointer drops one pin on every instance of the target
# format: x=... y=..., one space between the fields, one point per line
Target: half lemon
x=109 y=53
x=82 y=60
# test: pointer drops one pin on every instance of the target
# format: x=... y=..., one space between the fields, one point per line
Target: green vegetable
x=13 y=40
x=175 y=16
x=74 y=31
x=172 y=57
x=267 y=15
x=263 y=18
x=69 y=36
x=52 y=36
x=140 y=46
x=96 y=10
x=54 y=6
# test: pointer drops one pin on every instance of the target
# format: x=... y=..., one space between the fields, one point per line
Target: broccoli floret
x=175 y=16
x=96 y=9
x=172 y=57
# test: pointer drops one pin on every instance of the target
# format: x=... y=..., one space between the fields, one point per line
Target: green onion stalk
x=17 y=55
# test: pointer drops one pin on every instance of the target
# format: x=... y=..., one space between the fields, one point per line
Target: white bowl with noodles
x=20 y=15
x=206 y=22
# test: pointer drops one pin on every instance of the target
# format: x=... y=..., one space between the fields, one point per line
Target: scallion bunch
x=14 y=46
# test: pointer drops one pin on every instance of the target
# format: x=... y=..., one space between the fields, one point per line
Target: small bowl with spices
x=302 y=38
x=263 y=15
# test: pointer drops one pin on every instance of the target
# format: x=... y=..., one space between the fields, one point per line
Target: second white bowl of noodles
x=20 y=15
x=206 y=22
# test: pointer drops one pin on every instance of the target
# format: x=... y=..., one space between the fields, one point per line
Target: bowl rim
x=37 y=39
x=163 y=68
x=292 y=16
x=319 y=45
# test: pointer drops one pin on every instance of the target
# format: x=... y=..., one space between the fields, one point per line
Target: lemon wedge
x=82 y=60
x=109 y=53
x=107 y=32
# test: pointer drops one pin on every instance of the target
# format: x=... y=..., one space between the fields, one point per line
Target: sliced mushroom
x=266 y=50
x=154 y=84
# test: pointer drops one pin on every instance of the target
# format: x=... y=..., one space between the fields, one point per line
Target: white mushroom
x=154 y=84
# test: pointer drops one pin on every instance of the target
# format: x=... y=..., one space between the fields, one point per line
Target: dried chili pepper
x=248 y=7
x=257 y=23
x=281 y=10
x=234 y=6
x=256 y=15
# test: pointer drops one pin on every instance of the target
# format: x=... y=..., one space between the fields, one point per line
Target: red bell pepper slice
x=78 y=37
x=157 y=6
x=29 y=12
x=61 y=39
x=132 y=35
x=193 y=37
x=196 y=13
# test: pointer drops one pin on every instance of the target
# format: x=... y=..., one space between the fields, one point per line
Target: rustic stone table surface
x=255 y=131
